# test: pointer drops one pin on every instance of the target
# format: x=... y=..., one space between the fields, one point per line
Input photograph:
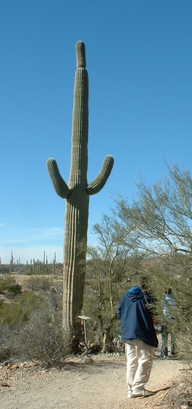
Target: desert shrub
x=4 y=269
x=30 y=302
x=173 y=271
x=5 y=343
x=6 y=283
x=43 y=339
x=15 y=313
x=10 y=314
x=38 y=283
x=31 y=329
x=15 y=289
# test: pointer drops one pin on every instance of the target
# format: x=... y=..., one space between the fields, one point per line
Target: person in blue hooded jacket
x=140 y=338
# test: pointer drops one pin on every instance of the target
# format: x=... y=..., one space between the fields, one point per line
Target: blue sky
x=139 y=61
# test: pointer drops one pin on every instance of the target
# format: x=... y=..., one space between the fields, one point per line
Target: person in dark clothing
x=140 y=338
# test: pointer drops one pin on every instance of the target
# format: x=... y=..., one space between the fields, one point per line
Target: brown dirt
x=97 y=383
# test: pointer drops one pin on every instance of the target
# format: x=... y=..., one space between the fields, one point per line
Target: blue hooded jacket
x=136 y=321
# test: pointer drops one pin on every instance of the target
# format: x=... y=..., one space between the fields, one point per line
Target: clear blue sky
x=139 y=60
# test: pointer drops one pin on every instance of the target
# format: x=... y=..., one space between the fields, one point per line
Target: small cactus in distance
x=77 y=193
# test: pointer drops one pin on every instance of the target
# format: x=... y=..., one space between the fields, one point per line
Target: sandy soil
x=96 y=382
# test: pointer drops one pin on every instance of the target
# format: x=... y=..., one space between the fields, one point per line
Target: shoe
x=144 y=393
x=129 y=394
x=173 y=356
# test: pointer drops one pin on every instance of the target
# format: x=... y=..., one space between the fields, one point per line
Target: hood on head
x=135 y=293
x=135 y=290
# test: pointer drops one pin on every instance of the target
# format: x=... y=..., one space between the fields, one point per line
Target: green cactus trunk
x=77 y=194
x=76 y=214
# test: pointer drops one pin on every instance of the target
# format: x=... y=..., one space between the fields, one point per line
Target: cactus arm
x=97 y=184
x=59 y=184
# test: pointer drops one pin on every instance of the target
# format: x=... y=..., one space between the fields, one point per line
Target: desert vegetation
x=30 y=319
x=151 y=238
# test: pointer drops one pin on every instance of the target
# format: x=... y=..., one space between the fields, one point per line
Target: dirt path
x=96 y=384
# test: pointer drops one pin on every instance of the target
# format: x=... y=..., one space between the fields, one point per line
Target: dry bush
x=43 y=339
x=37 y=283
x=30 y=324
x=5 y=343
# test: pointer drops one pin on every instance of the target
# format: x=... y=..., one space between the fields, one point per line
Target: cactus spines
x=80 y=55
x=59 y=184
x=96 y=185
x=77 y=194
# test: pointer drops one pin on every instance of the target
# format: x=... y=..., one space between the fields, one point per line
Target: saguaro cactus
x=77 y=194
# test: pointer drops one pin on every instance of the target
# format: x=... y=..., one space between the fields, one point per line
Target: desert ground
x=96 y=382
x=93 y=381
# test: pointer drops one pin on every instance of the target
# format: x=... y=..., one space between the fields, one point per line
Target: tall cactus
x=77 y=194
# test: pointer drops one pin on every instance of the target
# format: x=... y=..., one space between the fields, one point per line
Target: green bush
x=15 y=289
x=6 y=283
x=38 y=283
x=4 y=269
x=15 y=313
x=10 y=314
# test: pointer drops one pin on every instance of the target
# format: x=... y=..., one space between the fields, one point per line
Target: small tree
x=161 y=215
x=110 y=267
x=161 y=218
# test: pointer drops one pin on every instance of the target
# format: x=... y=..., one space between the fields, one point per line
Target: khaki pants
x=139 y=363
